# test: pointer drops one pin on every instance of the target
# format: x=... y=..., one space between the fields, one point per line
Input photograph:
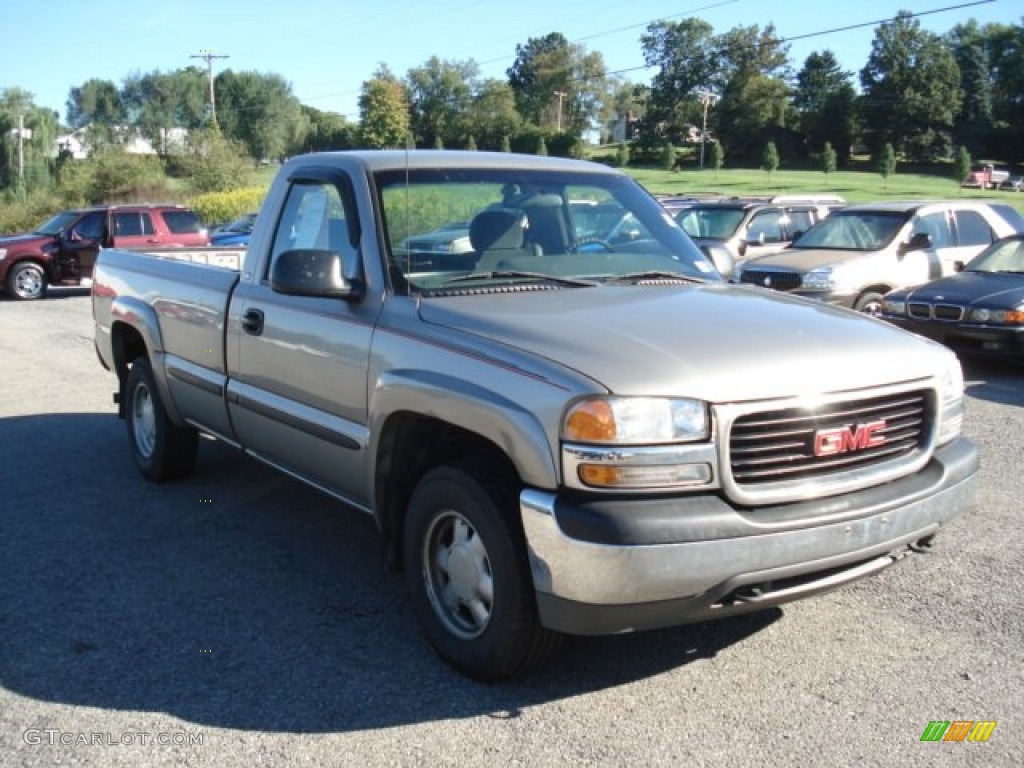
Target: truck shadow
x=240 y=599
x=994 y=381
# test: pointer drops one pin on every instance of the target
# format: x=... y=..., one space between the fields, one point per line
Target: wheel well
x=882 y=289
x=127 y=344
x=411 y=445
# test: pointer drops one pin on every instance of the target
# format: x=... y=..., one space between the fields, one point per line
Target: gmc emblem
x=832 y=442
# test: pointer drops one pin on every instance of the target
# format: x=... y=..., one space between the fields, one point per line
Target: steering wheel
x=583 y=242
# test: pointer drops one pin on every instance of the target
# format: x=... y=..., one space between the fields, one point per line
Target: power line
x=209 y=56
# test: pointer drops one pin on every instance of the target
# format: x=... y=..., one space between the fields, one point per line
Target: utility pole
x=561 y=95
x=209 y=57
x=707 y=98
x=22 y=133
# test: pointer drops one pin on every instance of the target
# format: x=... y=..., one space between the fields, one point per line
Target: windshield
x=470 y=228
x=1001 y=256
x=710 y=223
x=242 y=224
x=58 y=223
x=853 y=231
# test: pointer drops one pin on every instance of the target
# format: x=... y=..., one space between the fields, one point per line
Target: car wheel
x=162 y=451
x=468 y=574
x=870 y=304
x=27 y=281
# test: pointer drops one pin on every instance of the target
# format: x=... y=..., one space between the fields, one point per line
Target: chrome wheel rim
x=143 y=421
x=457 y=575
x=28 y=283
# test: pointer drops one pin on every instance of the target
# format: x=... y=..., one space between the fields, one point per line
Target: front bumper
x=969 y=339
x=622 y=565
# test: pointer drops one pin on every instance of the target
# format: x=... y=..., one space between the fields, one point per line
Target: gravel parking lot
x=240 y=619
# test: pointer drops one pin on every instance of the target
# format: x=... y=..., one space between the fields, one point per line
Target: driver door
x=80 y=245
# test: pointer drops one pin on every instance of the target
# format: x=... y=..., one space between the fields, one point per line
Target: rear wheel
x=468 y=574
x=870 y=303
x=162 y=451
x=27 y=281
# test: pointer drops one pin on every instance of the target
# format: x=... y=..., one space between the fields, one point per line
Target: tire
x=870 y=303
x=162 y=451
x=468 y=573
x=27 y=281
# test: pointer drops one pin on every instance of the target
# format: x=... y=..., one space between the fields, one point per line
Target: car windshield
x=242 y=224
x=853 y=231
x=1001 y=256
x=467 y=230
x=58 y=223
x=710 y=223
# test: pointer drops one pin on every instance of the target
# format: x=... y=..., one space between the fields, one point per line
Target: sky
x=326 y=49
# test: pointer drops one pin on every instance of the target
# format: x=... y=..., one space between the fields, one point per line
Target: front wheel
x=870 y=304
x=468 y=574
x=162 y=451
x=27 y=281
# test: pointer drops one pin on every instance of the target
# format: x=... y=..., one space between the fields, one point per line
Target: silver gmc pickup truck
x=556 y=430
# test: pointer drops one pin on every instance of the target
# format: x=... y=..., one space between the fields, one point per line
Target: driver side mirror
x=919 y=241
x=315 y=273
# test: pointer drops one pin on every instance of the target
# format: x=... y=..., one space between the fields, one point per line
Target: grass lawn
x=854 y=186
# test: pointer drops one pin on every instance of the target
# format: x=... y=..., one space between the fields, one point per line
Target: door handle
x=252 y=322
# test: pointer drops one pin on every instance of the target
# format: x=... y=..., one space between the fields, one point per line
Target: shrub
x=219 y=207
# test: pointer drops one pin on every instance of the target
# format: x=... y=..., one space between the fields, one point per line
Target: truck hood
x=802 y=259
x=719 y=343
x=30 y=239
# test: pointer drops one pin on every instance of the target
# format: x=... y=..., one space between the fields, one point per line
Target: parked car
x=452 y=237
x=63 y=250
x=986 y=176
x=856 y=255
x=750 y=227
x=1013 y=184
x=236 y=232
x=978 y=311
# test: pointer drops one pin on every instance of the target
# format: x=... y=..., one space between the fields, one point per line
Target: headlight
x=951 y=402
x=820 y=279
x=636 y=421
x=998 y=316
x=895 y=307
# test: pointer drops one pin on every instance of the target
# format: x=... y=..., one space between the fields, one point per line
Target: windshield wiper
x=653 y=274
x=1005 y=271
x=514 y=273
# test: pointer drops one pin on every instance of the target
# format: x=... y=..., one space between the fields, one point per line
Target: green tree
x=383 y=111
x=542 y=146
x=325 y=131
x=769 y=158
x=440 y=98
x=887 y=161
x=668 y=156
x=912 y=75
x=717 y=156
x=686 y=61
x=215 y=163
x=165 y=106
x=438 y=142
x=493 y=113
x=33 y=164
x=471 y=143
x=622 y=155
x=961 y=164
x=828 y=159
x=506 y=145
x=259 y=112
x=96 y=109
x=825 y=99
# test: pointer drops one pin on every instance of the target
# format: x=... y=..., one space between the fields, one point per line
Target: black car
x=978 y=312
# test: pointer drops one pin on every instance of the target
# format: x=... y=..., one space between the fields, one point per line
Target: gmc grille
x=948 y=312
x=779 y=281
x=779 y=446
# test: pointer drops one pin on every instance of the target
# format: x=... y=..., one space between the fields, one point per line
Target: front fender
x=469 y=406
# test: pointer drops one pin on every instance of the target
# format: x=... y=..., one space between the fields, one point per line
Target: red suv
x=62 y=251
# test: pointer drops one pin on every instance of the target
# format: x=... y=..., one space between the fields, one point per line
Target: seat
x=496 y=235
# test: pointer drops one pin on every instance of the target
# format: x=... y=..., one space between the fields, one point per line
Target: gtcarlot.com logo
x=53 y=737
x=958 y=730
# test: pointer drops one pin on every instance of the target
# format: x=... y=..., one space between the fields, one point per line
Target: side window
x=147 y=223
x=90 y=226
x=182 y=222
x=936 y=227
x=765 y=223
x=127 y=224
x=972 y=229
x=315 y=216
x=800 y=221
